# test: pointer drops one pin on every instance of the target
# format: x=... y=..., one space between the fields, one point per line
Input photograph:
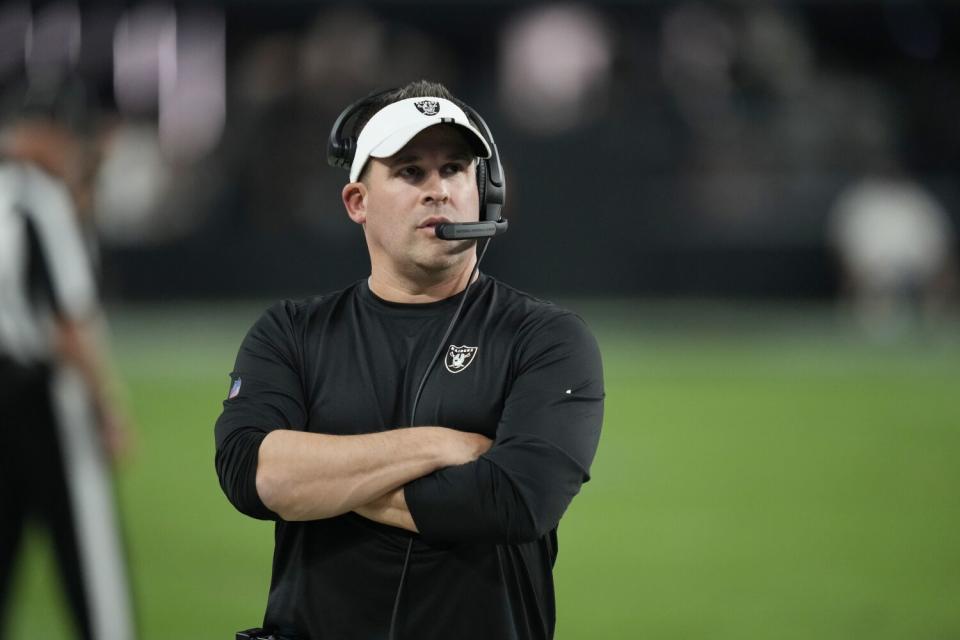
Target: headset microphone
x=470 y=230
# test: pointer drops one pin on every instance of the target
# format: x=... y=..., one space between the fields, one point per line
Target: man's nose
x=435 y=189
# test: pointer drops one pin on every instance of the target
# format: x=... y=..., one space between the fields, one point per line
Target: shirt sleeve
x=55 y=232
x=266 y=393
x=546 y=440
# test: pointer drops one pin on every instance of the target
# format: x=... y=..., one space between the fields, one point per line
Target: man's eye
x=409 y=172
x=453 y=168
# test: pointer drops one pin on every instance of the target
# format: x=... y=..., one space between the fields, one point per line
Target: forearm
x=474 y=503
x=79 y=345
x=390 y=509
x=515 y=493
x=309 y=476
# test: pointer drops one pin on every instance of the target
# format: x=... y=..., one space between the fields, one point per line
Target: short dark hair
x=415 y=89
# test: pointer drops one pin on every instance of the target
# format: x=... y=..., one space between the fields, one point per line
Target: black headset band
x=340 y=149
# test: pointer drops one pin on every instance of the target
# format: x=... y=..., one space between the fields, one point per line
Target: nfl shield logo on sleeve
x=234 y=389
x=459 y=358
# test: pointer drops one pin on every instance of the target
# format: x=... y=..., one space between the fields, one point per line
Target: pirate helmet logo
x=428 y=107
x=459 y=358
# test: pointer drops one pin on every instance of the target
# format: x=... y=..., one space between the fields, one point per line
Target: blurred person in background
x=394 y=523
x=60 y=416
x=894 y=240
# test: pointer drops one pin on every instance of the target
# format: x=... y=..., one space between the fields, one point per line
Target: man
x=447 y=528
x=59 y=415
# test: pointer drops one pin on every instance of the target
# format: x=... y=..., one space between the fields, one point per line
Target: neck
x=397 y=287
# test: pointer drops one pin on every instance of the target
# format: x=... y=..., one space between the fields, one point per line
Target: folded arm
x=308 y=476
x=269 y=468
x=438 y=481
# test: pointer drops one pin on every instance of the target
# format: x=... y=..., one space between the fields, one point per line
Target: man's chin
x=452 y=254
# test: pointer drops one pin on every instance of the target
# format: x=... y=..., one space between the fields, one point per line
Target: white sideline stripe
x=101 y=563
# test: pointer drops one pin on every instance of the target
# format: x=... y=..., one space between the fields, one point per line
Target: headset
x=491 y=184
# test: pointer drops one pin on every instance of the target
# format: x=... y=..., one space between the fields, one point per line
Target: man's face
x=429 y=181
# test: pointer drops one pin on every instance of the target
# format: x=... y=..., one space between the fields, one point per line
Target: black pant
x=33 y=486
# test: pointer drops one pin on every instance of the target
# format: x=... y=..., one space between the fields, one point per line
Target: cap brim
x=398 y=139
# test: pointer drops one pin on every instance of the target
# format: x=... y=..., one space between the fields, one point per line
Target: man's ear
x=354 y=197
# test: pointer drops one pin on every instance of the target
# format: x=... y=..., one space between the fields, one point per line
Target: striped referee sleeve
x=47 y=204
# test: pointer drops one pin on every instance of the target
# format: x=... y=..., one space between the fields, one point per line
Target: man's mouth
x=433 y=221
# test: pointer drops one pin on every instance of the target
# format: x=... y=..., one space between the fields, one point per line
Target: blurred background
x=755 y=206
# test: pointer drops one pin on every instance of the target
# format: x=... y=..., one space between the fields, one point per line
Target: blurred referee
x=58 y=423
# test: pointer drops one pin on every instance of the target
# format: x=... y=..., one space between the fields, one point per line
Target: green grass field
x=762 y=474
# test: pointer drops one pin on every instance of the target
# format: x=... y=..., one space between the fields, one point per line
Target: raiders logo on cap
x=428 y=107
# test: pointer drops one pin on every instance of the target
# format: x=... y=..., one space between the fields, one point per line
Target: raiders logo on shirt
x=459 y=358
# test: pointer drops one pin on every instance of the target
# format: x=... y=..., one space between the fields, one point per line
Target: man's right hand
x=461 y=447
x=454 y=448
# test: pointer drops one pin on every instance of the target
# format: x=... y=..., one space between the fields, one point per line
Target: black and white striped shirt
x=45 y=271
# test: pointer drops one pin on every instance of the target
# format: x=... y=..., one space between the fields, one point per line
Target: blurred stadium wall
x=655 y=148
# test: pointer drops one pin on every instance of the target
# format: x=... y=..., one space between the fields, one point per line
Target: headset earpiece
x=481 y=171
x=342 y=146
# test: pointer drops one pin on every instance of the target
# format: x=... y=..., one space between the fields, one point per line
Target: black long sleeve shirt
x=520 y=371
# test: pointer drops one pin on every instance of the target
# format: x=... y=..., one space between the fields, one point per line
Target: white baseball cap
x=397 y=123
